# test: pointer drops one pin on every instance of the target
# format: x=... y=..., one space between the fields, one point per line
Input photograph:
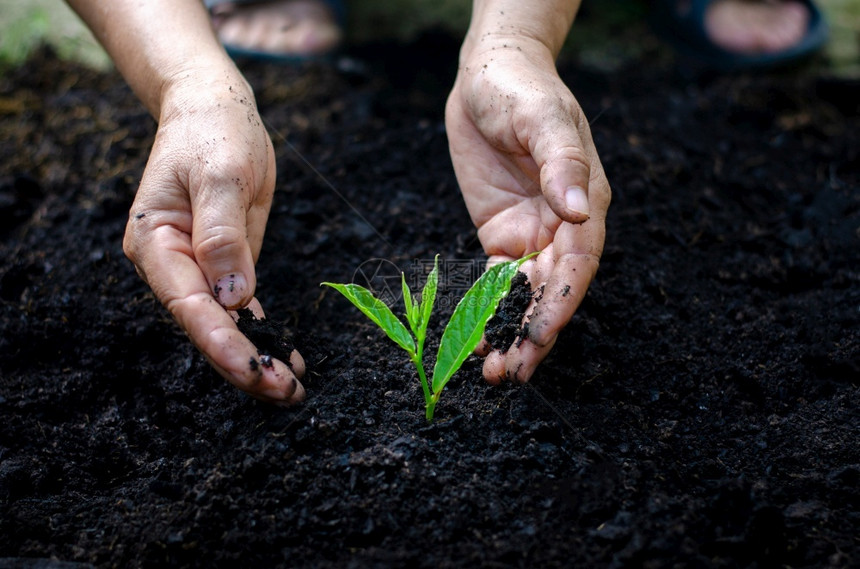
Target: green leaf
x=428 y=298
x=407 y=302
x=466 y=327
x=377 y=311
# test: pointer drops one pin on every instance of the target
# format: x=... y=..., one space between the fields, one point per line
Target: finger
x=563 y=150
x=519 y=230
x=297 y=364
x=258 y=213
x=228 y=225
x=517 y=364
x=494 y=260
x=556 y=301
x=562 y=295
x=262 y=377
x=234 y=356
x=163 y=257
x=564 y=270
x=256 y=225
x=494 y=368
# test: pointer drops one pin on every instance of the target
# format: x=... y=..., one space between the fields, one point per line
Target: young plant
x=462 y=333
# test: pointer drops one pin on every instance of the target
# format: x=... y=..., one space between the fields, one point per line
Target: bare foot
x=279 y=27
x=754 y=27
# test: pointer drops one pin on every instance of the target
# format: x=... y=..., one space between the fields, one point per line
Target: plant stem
x=418 y=360
x=431 y=405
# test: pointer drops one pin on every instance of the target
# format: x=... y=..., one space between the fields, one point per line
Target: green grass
x=843 y=49
x=27 y=24
x=22 y=32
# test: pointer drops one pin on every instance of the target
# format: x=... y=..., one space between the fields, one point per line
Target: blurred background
x=607 y=32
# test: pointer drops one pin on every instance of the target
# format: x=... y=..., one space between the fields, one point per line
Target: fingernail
x=576 y=200
x=230 y=290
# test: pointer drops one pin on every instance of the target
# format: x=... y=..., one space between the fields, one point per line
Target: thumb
x=219 y=240
x=565 y=165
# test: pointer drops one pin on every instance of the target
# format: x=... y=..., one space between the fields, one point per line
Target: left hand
x=532 y=181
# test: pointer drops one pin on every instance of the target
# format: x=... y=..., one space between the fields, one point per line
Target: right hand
x=532 y=181
x=196 y=226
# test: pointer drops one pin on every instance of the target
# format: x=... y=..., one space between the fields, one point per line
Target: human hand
x=196 y=226
x=532 y=181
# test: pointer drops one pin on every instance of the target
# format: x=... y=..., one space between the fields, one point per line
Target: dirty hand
x=532 y=181
x=196 y=226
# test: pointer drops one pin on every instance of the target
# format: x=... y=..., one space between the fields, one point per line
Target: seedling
x=462 y=333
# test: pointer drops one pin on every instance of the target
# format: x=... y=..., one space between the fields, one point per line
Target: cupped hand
x=196 y=226
x=532 y=181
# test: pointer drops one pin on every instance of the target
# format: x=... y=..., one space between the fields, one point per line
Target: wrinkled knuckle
x=576 y=155
x=577 y=115
x=561 y=107
x=229 y=178
x=135 y=233
x=605 y=192
x=217 y=243
x=603 y=196
x=220 y=167
x=538 y=332
x=570 y=108
x=184 y=307
x=230 y=169
x=571 y=162
x=129 y=247
x=174 y=306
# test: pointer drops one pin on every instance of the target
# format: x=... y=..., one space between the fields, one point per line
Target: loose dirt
x=699 y=411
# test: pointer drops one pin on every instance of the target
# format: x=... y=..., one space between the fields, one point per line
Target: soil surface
x=700 y=410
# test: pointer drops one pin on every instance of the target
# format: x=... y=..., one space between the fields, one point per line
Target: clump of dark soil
x=507 y=325
x=699 y=411
x=269 y=336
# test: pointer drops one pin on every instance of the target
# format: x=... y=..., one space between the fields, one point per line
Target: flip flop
x=686 y=33
x=236 y=52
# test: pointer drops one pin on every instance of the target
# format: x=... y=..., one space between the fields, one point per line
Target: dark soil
x=507 y=326
x=701 y=409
